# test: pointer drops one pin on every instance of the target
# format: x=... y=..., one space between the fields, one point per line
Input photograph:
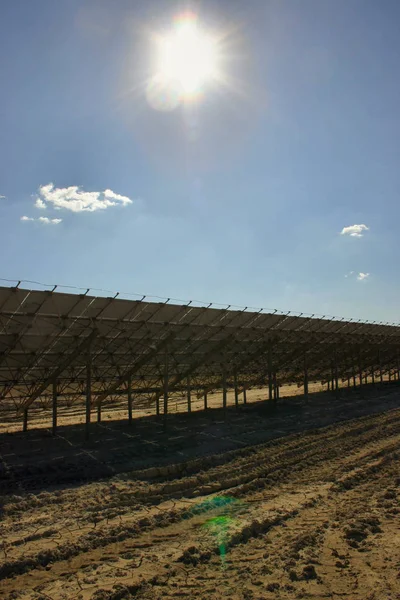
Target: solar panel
x=50 y=336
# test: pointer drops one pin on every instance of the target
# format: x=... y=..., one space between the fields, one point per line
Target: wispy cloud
x=354 y=230
x=44 y=220
x=76 y=200
x=359 y=276
x=2 y=197
x=362 y=276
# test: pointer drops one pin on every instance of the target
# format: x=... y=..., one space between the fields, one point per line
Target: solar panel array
x=50 y=337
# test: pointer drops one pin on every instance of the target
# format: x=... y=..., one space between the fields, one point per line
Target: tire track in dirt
x=322 y=456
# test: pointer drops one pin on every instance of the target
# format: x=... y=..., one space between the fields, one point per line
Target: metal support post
x=99 y=412
x=224 y=390
x=189 y=395
x=236 y=390
x=270 y=380
x=360 y=369
x=165 y=387
x=390 y=374
x=25 y=420
x=244 y=395
x=54 y=406
x=373 y=375
x=380 y=367
x=88 y=393
x=130 y=405
x=275 y=388
x=305 y=377
x=205 y=400
x=336 y=377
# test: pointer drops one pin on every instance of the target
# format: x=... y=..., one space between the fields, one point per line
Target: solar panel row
x=48 y=337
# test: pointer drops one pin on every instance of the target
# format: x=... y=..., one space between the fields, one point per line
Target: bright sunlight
x=186 y=60
x=188 y=56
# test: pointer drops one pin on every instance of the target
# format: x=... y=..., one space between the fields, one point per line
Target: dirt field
x=298 y=500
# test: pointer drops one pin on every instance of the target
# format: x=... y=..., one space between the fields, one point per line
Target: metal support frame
x=189 y=395
x=270 y=376
x=224 y=390
x=54 y=407
x=88 y=393
x=141 y=362
x=130 y=403
x=244 y=395
x=25 y=420
x=122 y=352
x=165 y=386
x=305 y=376
x=205 y=400
x=235 y=383
x=86 y=343
x=337 y=391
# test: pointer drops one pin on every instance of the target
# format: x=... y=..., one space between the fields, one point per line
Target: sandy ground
x=298 y=500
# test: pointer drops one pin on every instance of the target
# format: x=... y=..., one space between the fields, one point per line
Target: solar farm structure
x=59 y=348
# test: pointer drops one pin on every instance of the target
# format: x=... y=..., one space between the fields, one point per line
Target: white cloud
x=362 y=276
x=44 y=220
x=2 y=197
x=77 y=200
x=354 y=230
x=48 y=221
x=350 y=274
x=40 y=204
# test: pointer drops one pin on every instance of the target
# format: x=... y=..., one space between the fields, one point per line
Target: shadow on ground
x=36 y=461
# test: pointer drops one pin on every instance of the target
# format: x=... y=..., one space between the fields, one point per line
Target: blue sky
x=240 y=198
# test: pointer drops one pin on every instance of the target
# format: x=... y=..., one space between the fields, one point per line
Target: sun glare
x=187 y=59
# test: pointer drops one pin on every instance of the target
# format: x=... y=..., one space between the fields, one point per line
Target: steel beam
x=270 y=377
x=305 y=376
x=88 y=394
x=54 y=406
x=25 y=420
x=236 y=390
x=166 y=390
x=177 y=379
x=60 y=368
x=224 y=390
x=141 y=362
x=189 y=394
x=276 y=393
x=130 y=404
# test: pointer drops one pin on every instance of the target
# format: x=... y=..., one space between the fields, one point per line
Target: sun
x=187 y=57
